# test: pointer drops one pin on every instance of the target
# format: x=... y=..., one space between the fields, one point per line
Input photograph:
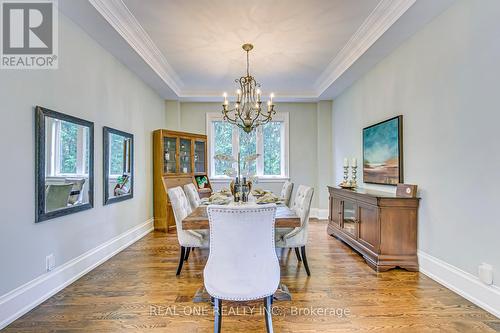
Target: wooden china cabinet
x=380 y=226
x=177 y=158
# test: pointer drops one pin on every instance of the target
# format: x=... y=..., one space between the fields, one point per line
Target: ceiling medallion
x=246 y=111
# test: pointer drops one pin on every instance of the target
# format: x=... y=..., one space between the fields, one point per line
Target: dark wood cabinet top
x=368 y=192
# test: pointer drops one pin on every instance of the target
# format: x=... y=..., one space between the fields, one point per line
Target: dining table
x=198 y=220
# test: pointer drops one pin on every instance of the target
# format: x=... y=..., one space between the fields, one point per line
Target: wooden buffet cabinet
x=177 y=158
x=380 y=226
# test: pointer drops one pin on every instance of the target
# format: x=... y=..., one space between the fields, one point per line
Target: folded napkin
x=225 y=191
x=268 y=198
x=258 y=192
x=219 y=199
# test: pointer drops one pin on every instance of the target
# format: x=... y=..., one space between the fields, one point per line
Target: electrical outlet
x=486 y=273
x=50 y=262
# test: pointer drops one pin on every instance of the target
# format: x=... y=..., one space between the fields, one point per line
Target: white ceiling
x=294 y=40
x=305 y=50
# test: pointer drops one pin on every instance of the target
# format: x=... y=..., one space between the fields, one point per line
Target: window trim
x=285 y=151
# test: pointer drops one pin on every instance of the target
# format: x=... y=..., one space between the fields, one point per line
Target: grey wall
x=310 y=162
x=324 y=150
x=90 y=84
x=444 y=80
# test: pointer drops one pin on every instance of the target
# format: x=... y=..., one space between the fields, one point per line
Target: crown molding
x=210 y=96
x=376 y=24
x=116 y=13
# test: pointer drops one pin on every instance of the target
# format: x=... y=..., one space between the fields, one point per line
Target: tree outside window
x=272 y=148
x=269 y=141
x=68 y=147
x=116 y=147
x=248 y=146
x=223 y=144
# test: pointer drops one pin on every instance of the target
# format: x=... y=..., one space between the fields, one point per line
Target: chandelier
x=247 y=112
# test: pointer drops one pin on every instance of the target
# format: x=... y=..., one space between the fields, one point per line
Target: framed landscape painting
x=383 y=152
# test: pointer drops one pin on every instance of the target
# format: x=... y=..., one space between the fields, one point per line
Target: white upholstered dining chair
x=242 y=264
x=192 y=195
x=297 y=237
x=286 y=192
x=188 y=239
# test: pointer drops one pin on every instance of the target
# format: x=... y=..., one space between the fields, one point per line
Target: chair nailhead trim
x=251 y=210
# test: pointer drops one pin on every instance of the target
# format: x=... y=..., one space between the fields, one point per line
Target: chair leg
x=181 y=260
x=297 y=253
x=268 y=305
x=218 y=315
x=188 y=250
x=304 y=259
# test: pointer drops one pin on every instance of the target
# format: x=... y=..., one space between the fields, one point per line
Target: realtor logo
x=29 y=34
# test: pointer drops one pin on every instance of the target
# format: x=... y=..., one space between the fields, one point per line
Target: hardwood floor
x=137 y=291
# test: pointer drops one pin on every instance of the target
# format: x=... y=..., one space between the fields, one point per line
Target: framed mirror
x=118 y=157
x=64 y=164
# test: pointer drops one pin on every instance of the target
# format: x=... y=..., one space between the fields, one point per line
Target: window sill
x=68 y=175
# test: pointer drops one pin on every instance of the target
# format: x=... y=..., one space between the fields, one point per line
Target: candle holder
x=346 y=176
x=354 y=182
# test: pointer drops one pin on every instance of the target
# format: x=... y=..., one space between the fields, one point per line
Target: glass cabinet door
x=169 y=155
x=199 y=157
x=349 y=214
x=185 y=156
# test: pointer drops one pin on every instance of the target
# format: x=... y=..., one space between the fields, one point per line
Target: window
x=223 y=137
x=248 y=146
x=116 y=158
x=68 y=145
x=272 y=148
x=67 y=148
x=270 y=141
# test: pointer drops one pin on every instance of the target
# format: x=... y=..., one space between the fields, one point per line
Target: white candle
x=346 y=162
x=258 y=95
x=225 y=98
x=354 y=162
x=238 y=92
x=271 y=96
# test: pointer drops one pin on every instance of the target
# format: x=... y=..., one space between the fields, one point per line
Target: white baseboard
x=463 y=283
x=319 y=213
x=17 y=302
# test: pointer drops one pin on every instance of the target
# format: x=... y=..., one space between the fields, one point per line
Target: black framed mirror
x=64 y=164
x=118 y=159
